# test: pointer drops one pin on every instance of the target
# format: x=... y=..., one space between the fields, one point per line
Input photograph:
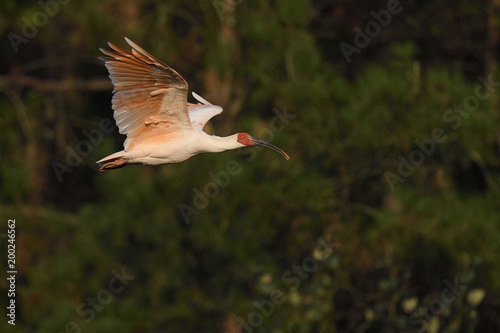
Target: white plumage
x=151 y=109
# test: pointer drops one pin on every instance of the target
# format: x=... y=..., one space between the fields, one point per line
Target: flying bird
x=151 y=108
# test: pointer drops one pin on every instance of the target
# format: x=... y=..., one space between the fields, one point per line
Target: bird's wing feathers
x=149 y=97
x=200 y=99
x=201 y=114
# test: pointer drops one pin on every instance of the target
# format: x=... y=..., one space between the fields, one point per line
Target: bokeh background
x=414 y=237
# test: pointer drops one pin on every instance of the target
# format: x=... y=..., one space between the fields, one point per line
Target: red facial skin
x=245 y=139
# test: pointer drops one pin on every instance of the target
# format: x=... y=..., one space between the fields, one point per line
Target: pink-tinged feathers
x=151 y=108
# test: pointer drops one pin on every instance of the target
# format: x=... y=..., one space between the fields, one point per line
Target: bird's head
x=248 y=140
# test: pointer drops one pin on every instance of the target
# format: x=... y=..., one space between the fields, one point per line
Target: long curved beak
x=261 y=143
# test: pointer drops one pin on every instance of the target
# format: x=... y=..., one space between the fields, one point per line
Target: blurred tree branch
x=55 y=85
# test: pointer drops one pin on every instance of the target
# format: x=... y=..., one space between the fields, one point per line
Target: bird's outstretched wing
x=201 y=114
x=149 y=97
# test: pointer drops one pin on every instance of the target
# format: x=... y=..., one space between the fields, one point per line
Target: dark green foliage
x=252 y=251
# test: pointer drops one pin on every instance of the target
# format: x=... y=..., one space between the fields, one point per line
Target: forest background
x=386 y=218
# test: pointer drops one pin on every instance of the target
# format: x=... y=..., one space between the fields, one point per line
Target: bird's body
x=155 y=151
x=151 y=108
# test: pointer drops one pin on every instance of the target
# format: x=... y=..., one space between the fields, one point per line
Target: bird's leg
x=114 y=164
